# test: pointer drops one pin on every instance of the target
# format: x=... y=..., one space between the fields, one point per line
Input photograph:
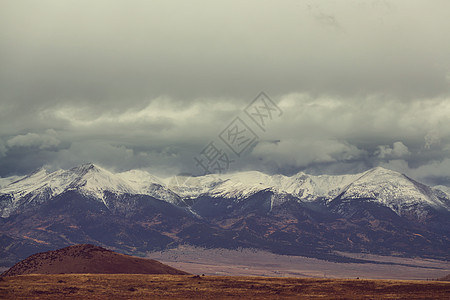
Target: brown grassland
x=126 y=286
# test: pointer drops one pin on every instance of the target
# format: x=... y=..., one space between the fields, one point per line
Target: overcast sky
x=148 y=84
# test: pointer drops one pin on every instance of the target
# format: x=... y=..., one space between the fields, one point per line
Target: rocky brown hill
x=88 y=259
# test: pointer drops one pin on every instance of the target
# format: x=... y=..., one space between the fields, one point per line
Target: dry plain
x=133 y=286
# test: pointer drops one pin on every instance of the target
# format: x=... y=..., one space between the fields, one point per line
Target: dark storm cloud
x=141 y=84
x=327 y=133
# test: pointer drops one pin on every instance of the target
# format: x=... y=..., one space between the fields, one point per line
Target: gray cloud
x=2 y=148
x=432 y=138
x=398 y=150
x=116 y=51
x=303 y=152
x=149 y=84
x=44 y=141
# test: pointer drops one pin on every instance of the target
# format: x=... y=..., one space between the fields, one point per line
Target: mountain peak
x=86 y=168
x=392 y=189
x=88 y=165
x=380 y=173
x=382 y=170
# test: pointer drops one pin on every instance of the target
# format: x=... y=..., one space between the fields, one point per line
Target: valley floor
x=95 y=286
x=248 y=262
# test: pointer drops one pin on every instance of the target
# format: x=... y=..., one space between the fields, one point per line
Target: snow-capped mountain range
x=378 y=211
x=385 y=187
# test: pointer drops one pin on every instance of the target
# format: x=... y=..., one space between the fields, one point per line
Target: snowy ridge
x=244 y=184
x=8 y=180
x=144 y=183
x=444 y=189
x=443 y=193
x=189 y=187
x=89 y=179
x=240 y=186
x=391 y=189
x=386 y=187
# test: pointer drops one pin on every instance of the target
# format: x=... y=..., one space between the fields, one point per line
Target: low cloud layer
x=33 y=140
x=149 y=85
